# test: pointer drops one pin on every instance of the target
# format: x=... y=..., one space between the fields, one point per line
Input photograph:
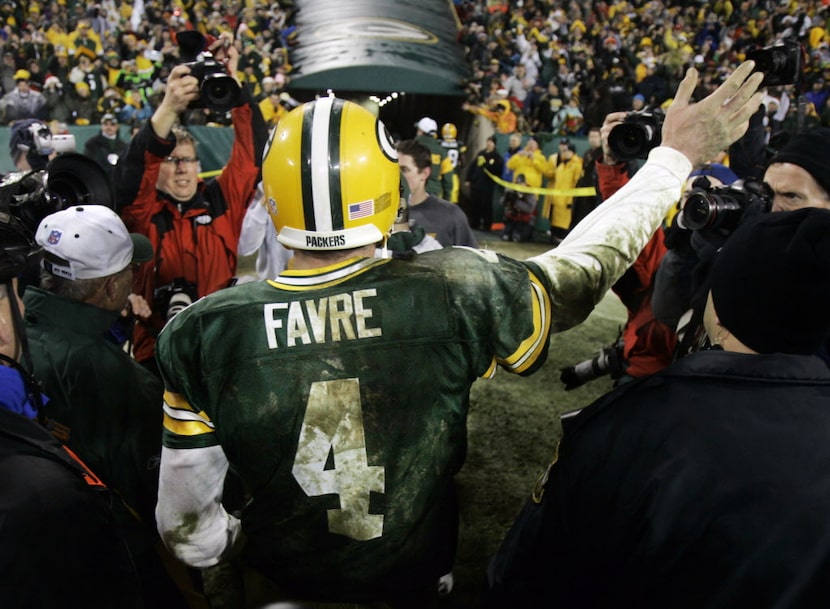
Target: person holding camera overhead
x=193 y=224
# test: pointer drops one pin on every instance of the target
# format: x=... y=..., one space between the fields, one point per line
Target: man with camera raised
x=796 y=177
x=193 y=224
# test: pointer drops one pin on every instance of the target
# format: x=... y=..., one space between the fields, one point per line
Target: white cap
x=89 y=241
x=427 y=125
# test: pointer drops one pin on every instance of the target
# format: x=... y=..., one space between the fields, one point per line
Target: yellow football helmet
x=448 y=131
x=330 y=176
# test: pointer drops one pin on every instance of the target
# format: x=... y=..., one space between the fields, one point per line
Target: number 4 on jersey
x=333 y=424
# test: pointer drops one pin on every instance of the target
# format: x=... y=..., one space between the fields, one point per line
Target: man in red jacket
x=193 y=224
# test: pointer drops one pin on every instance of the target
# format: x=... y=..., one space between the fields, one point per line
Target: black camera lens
x=707 y=210
x=630 y=140
x=637 y=134
x=220 y=91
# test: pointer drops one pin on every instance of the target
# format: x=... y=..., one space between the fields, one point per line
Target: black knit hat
x=771 y=282
x=810 y=150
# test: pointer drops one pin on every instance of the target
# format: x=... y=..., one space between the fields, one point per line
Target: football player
x=455 y=151
x=338 y=391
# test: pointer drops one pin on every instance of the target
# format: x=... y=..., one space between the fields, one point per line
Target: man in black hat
x=707 y=484
x=799 y=173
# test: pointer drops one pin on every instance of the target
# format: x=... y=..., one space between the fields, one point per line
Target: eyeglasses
x=187 y=160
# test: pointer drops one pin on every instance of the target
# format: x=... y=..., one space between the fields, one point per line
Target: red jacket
x=649 y=344
x=196 y=241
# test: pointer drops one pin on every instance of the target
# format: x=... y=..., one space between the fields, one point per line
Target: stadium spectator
x=514 y=145
x=563 y=170
x=83 y=109
x=7 y=71
x=519 y=212
x=84 y=41
x=482 y=186
x=530 y=163
x=85 y=72
x=22 y=102
x=500 y=114
x=106 y=148
x=57 y=104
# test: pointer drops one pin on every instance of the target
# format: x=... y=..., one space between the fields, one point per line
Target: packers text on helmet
x=330 y=176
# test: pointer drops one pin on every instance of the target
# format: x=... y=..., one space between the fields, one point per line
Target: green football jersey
x=439 y=182
x=340 y=398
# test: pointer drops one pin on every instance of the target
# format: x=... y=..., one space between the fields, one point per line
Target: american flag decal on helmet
x=361 y=210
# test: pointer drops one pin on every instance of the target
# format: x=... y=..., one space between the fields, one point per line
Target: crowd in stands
x=73 y=62
x=561 y=67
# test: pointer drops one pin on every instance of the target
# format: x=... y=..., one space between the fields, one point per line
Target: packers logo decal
x=374 y=28
x=385 y=142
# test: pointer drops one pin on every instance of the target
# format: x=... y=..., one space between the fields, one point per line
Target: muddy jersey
x=340 y=397
x=340 y=394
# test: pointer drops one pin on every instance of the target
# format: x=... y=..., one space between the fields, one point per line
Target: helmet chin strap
x=22 y=354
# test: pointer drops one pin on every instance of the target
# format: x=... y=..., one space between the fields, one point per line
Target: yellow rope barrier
x=585 y=191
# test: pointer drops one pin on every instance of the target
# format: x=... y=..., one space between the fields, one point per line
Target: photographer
x=30 y=145
x=193 y=224
x=705 y=485
x=797 y=176
x=60 y=544
x=102 y=402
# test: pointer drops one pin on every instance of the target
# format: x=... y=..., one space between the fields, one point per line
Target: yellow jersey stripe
x=186 y=428
x=530 y=348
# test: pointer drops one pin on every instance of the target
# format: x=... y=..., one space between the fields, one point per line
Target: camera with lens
x=639 y=132
x=723 y=207
x=608 y=361
x=217 y=89
x=69 y=179
x=174 y=297
x=780 y=63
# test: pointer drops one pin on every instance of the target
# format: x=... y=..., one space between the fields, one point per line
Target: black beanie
x=771 y=282
x=810 y=150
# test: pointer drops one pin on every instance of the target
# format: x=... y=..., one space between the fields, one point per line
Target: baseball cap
x=109 y=118
x=427 y=125
x=89 y=241
x=22 y=75
x=716 y=170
